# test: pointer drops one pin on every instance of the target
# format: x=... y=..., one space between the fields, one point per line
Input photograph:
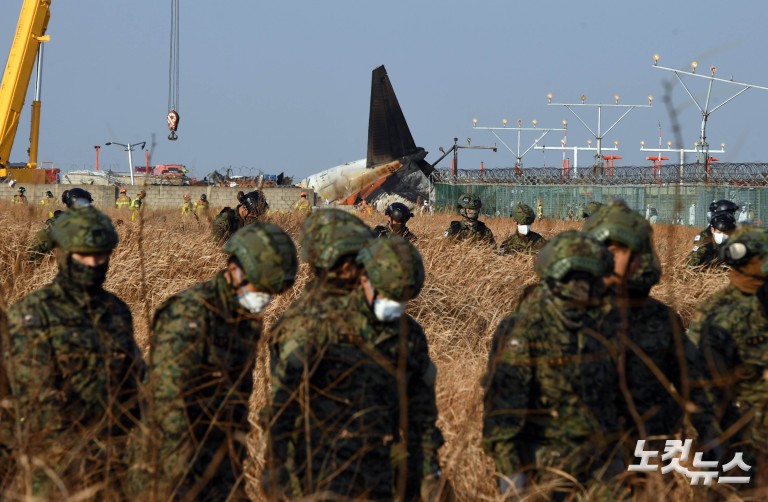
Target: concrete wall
x=160 y=196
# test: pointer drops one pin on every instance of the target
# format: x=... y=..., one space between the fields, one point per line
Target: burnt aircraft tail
x=388 y=135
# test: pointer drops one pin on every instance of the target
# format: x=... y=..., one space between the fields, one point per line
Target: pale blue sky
x=285 y=86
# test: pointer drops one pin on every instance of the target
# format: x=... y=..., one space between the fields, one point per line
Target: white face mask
x=719 y=237
x=523 y=229
x=388 y=310
x=384 y=309
x=254 y=301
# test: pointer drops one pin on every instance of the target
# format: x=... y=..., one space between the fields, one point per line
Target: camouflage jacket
x=335 y=375
x=42 y=244
x=75 y=371
x=550 y=388
x=387 y=231
x=461 y=230
x=703 y=237
x=522 y=243
x=732 y=333
x=201 y=378
x=226 y=223
x=704 y=254
x=657 y=355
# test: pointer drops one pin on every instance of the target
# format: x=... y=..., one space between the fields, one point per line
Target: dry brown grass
x=468 y=291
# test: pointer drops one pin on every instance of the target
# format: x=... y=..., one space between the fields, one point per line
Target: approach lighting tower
x=519 y=129
x=701 y=146
x=599 y=134
x=455 y=149
x=682 y=151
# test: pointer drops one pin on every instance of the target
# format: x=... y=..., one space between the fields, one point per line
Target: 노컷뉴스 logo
x=676 y=451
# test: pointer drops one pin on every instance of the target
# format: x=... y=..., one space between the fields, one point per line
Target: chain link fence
x=674 y=194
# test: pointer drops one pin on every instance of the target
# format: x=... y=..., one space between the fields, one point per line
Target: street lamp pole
x=128 y=148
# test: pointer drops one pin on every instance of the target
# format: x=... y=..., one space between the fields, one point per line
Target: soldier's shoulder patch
x=697 y=238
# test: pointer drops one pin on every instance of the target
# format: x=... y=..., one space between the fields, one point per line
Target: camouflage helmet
x=394 y=267
x=266 y=254
x=723 y=205
x=573 y=251
x=747 y=241
x=469 y=201
x=523 y=214
x=329 y=234
x=399 y=212
x=84 y=230
x=618 y=222
x=592 y=208
x=723 y=221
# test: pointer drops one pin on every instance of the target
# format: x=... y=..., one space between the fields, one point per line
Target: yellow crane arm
x=30 y=33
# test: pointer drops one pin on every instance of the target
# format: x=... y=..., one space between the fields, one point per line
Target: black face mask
x=82 y=276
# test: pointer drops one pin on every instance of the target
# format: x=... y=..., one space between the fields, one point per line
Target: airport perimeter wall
x=161 y=196
x=687 y=205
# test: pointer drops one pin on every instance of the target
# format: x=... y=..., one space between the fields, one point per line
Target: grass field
x=467 y=292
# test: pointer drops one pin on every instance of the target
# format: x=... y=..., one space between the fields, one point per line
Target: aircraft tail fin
x=388 y=135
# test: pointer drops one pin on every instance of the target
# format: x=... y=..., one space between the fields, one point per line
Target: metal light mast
x=702 y=147
x=599 y=134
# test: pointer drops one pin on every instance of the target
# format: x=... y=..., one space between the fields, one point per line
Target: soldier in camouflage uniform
x=337 y=364
x=718 y=206
x=252 y=206
x=591 y=208
x=651 y=334
x=524 y=239
x=550 y=389
x=393 y=274
x=706 y=252
x=74 y=367
x=398 y=215
x=201 y=373
x=42 y=244
x=469 y=228
x=330 y=240
x=730 y=328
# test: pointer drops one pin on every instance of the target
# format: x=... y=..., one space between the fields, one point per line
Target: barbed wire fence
x=672 y=194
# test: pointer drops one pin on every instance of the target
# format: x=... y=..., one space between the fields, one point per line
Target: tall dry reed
x=467 y=292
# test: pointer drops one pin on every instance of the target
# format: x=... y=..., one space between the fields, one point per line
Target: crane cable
x=173 y=73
